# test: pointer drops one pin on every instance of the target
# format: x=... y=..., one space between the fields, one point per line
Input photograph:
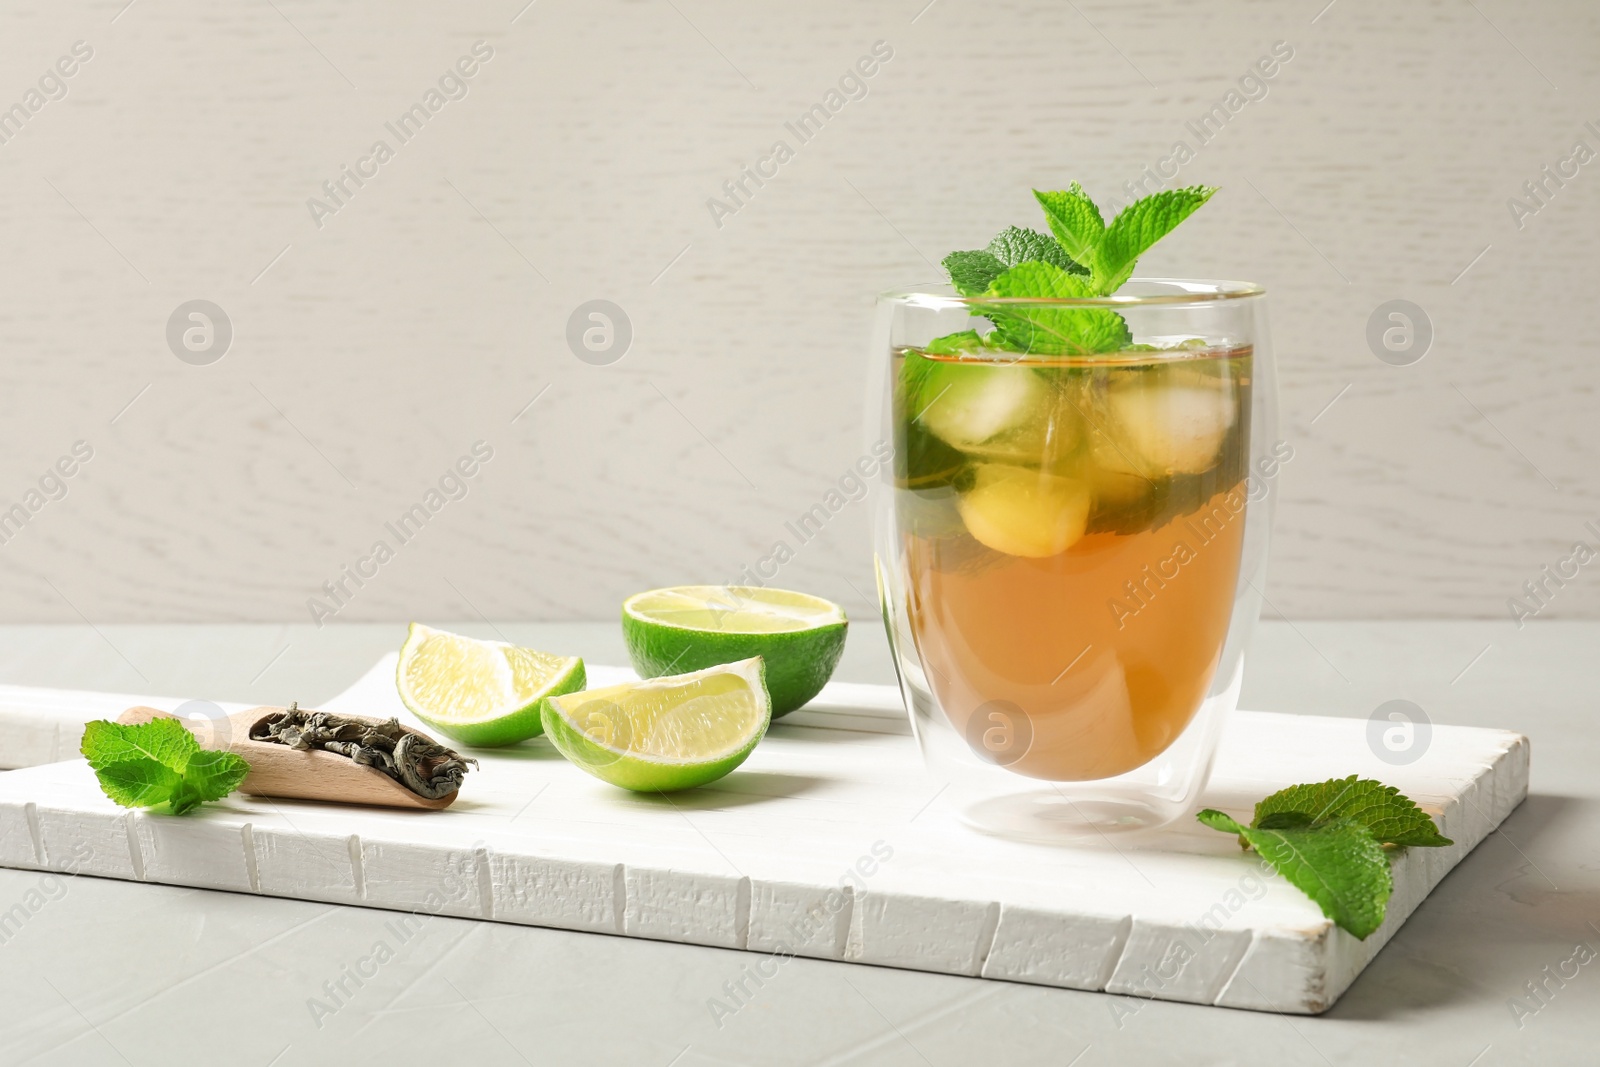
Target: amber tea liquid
x=1073 y=533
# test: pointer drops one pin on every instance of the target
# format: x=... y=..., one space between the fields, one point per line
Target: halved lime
x=663 y=734
x=691 y=627
x=480 y=692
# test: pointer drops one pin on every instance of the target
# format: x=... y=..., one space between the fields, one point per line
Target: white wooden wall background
x=370 y=353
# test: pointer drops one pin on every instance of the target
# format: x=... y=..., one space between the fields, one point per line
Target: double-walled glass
x=1071 y=556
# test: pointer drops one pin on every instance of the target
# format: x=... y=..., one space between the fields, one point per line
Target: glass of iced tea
x=1072 y=552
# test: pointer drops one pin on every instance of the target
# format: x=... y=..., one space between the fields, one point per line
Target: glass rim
x=1190 y=291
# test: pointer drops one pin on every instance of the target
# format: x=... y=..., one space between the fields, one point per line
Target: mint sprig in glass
x=1071 y=555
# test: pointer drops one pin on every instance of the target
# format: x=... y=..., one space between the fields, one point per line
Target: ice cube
x=966 y=404
x=1168 y=424
x=1050 y=438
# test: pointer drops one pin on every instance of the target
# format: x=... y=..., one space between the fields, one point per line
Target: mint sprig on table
x=1327 y=840
x=1085 y=258
x=158 y=762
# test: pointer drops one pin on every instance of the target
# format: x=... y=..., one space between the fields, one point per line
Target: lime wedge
x=692 y=627
x=663 y=734
x=480 y=692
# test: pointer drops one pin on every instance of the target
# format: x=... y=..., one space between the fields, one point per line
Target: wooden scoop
x=280 y=771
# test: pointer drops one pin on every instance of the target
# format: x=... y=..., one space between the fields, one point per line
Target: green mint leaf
x=1084 y=246
x=1391 y=816
x=213 y=775
x=954 y=343
x=971 y=272
x=1220 y=820
x=1075 y=221
x=184 y=799
x=138 y=783
x=1337 y=864
x=1137 y=227
x=158 y=762
x=974 y=274
x=1015 y=245
x=1327 y=839
x=163 y=740
x=1052 y=330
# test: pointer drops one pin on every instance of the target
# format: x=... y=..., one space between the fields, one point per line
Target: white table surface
x=111 y=972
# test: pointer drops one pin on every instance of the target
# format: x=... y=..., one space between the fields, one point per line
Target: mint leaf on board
x=141 y=765
x=163 y=740
x=1337 y=864
x=971 y=272
x=210 y=775
x=1221 y=820
x=1392 y=817
x=1052 y=330
x=1327 y=840
x=1014 y=245
x=138 y=783
x=1074 y=219
x=1137 y=227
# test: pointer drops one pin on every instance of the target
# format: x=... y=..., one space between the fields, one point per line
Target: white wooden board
x=830 y=842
